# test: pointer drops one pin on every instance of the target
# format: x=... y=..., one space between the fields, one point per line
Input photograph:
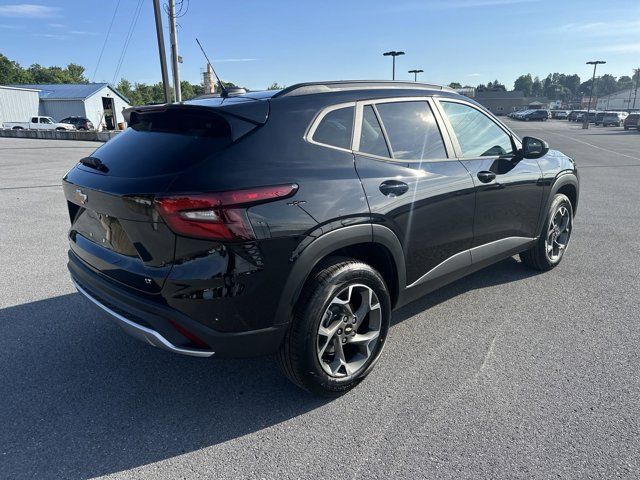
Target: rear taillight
x=220 y=215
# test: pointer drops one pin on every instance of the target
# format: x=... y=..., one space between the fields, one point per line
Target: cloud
x=620 y=48
x=82 y=32
x=605 y=29
x=474 y=75
x=27 y=10
x=227 y=60
x=55 y=36
x=450 y=4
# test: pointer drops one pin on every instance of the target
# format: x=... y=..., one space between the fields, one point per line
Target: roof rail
x=309 y=88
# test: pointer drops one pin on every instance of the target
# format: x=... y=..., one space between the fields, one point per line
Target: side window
x=34 y=119
x=336 y=128
x=371 y=138
x=412 y=130
x=477 y=134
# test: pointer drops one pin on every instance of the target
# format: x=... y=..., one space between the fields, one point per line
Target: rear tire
x=554 y=240
x=339 y=328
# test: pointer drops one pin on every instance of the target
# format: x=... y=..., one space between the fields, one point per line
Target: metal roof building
x=99 y=102
x=18 y=104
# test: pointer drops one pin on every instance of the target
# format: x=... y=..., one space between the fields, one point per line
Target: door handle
x=486 y=176
x=393 y=188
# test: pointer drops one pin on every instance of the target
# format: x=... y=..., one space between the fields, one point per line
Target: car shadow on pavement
x=79 y=398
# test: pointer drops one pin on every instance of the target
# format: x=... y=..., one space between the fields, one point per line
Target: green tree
x=606 y=85
x=536 y=87
x=524 y=84
x=455 y=85
x=11 y=72
x=275 y=86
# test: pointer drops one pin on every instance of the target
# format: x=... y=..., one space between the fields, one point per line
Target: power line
x=105 y=41
x=134 y=21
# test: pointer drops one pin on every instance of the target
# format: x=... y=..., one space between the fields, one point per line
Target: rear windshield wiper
x=94 y=162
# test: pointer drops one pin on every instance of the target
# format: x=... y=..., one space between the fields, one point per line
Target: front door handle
x=393 y=188
x=486 y=176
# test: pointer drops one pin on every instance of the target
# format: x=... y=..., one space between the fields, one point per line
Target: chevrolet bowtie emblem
x=80 y=197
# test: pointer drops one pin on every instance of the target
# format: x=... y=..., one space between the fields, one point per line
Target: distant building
x=502 y=103
x=18 y=104
x=99 y=102
x=623 y=100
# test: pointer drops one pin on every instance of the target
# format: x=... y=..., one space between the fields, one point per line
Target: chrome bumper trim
x=143 y=333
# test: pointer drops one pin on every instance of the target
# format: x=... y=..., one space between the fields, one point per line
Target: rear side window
x=412 y=130
x=371 y=138
x=336 y=128
x=477 y=134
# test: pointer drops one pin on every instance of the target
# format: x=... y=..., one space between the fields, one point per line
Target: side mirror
x=534 y=147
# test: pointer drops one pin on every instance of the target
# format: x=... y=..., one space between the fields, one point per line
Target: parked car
x=532 y=115
x=38 y=123
x=632 y=121
x=81 y=123
x=579 y=116
x=560 y=114
x=573 y=114
x=241 y=228
x=615 y=119
x=598 y=118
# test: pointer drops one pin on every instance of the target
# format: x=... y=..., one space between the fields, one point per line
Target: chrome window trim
x=444 y=134
x=452 y=134
x=313 y=126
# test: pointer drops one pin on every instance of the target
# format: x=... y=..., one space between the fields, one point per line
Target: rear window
x=335 y=128
x=161 y=143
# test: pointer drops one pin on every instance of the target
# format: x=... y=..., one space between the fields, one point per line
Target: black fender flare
x=323 y=246
x=564 y=178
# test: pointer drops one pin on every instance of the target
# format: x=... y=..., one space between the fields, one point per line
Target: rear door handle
x=393 y=188
x=486 y=176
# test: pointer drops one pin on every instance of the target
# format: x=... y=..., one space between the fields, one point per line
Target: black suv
x=294 y=221
x=81 y=123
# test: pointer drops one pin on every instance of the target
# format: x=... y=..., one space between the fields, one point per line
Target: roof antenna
x=223 y=90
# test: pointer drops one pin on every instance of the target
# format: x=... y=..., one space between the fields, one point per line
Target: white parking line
x=592 y=145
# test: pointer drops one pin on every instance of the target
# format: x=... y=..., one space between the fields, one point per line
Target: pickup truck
x=38 y=123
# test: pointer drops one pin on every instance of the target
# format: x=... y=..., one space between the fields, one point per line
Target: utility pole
x=177 y=91
x=163 y=55
x=595 y=63
x=415 y=74
x=635 y=95
x=393 y=54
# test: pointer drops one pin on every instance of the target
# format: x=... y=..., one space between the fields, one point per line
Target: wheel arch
x=375 y=245
x=566 y=183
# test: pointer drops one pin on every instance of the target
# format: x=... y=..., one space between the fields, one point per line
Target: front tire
x=339 y=328
x=554 y=240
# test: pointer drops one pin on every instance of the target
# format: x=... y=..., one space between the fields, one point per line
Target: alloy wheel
x=558 y=233
x=349 y=331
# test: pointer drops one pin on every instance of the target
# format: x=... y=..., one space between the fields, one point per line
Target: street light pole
x=415 y=74
x=635 y=95
x=595 y=63
x=393 y=54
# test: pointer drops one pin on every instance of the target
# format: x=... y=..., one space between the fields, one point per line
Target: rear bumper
x=150 y=320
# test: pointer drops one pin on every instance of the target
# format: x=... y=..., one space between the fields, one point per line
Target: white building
x=18 y=104
x=623 y=100
x=99 y=102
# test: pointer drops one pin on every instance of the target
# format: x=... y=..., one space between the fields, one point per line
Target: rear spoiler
x=255 y=112
x=242 y=116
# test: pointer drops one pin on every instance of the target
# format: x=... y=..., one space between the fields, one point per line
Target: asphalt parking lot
x=504 y=374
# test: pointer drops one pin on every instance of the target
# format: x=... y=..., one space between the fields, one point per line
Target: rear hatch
x=115 y=229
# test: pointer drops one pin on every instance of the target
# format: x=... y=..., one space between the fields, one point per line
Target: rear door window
x=412 y=130
x=335 y=128
x=477 y=134
x=372 y=139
